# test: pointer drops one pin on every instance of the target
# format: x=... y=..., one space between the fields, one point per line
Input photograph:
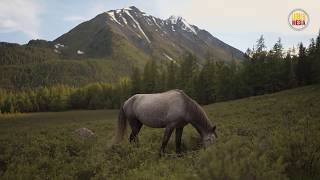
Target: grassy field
x=274 y=136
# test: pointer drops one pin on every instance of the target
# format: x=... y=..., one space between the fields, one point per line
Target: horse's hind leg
x=135 y=127
x=178 y=139
x=165 y=139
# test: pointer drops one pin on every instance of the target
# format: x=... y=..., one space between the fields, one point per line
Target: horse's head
x=210 y=137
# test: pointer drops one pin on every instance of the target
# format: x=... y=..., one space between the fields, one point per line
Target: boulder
x=84 y=133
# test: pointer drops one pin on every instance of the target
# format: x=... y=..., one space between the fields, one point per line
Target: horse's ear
x=214 y=128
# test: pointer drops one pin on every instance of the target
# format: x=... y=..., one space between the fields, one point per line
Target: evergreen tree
x=277 y=50
x=225 y=81
x=255 y=72
x=161 y=82
x=187 y=73
x=171 y=77
x=313 y=59
x=316 y=65
x=288 y=75
x=260 y=47
x=274 y=69
x=303 y=67
x=136 y=81
x=43 y=98
x=124 y=89
x=150 y=76
x=205 y=85
x=94 y=94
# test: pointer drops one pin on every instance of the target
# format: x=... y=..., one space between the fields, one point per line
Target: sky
x=238 y=23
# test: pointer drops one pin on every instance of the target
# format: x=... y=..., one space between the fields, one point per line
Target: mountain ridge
x=106 y=48
x=161 y=38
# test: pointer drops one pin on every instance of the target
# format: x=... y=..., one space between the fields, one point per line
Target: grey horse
x=170 y=110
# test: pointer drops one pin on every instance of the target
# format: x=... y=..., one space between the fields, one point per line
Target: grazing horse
x=170 y=110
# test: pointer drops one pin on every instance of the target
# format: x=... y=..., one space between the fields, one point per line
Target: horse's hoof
x=161 y=153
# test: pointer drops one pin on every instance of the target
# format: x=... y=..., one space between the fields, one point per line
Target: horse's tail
x=122 y=126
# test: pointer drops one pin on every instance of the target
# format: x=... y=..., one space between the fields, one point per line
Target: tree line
x=261 y=72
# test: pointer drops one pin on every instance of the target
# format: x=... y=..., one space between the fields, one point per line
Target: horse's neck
x=198 y=118
x=202 y=127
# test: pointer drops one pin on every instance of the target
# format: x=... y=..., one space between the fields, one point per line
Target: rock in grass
x=84 y=133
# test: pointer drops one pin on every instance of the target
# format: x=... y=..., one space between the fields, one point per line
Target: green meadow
x=274 y=136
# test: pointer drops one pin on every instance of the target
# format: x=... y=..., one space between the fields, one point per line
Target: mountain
x=153 y=37
x=105 y=48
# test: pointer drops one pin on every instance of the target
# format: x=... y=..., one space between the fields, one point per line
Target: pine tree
x=316 y=65
x=188 y=70
x=43 y=98
x=150 y=76
x=171 y=77
x=277 y=50
x=205 y=85
x=273 y=68
x=260 y=47
x=124 y=89
x=136 y=81
x=288 y=75
x=303 y=67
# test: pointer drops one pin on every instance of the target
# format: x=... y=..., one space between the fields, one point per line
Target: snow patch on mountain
x=177 y=20
x=186 y=26
x=57 y=46
x=168 y=57
x=155 y=22
x=80 y=52
x=172 y=28
x=148 y=20
x=113 y=17
x=124 y=20
x=138 y=25
x=174 y=19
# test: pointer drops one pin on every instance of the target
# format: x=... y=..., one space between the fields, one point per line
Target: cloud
x=21 y=16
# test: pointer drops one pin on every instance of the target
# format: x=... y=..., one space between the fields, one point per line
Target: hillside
x=274 y=135
x=165 y=40
x=106 y=48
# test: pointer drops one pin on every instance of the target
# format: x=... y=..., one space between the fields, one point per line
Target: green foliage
x=272 y=136
x=62 y=97
x=136 y=79
x=150 y=77
x=205 y=85
x=260 y=73
x=187 y=72
x=14 y=54
x=240 y=158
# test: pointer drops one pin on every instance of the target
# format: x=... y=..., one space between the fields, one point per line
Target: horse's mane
x=196 y=111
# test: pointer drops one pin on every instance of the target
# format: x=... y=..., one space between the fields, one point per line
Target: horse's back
x=157 y=110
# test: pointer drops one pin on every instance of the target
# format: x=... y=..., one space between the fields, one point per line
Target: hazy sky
x=238 y=23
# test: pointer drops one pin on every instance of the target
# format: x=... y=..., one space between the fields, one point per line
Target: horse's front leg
x=165 y=139
x=178 y=139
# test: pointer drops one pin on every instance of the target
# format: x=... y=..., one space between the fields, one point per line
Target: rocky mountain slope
x=106 y=48
x=164 y=39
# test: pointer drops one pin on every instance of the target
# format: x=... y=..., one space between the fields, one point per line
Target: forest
x=261 y=72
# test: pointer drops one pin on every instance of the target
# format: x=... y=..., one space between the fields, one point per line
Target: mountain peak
x=175 y=19
x=130 y=8
x=134 y=8
x=180 y=21
x=167 y=38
